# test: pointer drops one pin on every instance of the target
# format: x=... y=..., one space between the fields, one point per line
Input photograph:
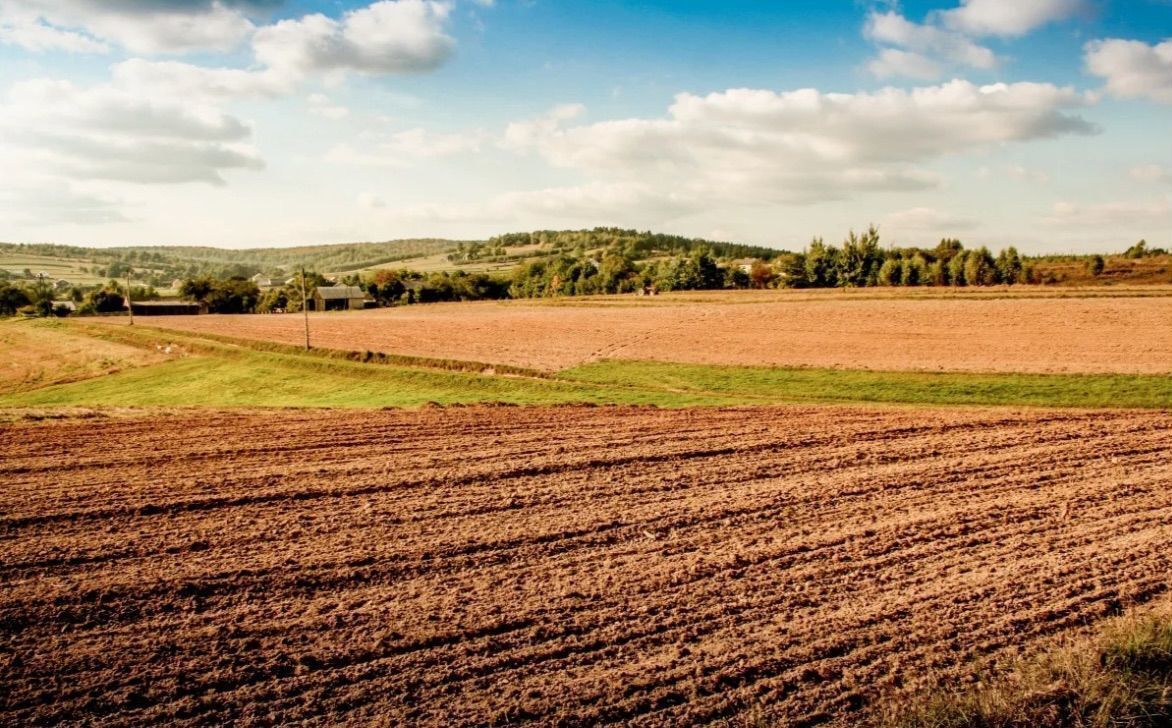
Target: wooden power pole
x=129 y=305
x=305 y=308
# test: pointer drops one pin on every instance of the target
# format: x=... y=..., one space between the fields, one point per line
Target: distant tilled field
x=885 y=330
x=559 y=566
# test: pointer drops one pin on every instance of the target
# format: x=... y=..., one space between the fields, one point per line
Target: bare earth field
x=557 y=566
x=1016 y=332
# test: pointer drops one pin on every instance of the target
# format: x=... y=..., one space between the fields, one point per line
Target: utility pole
x=129 y=305
x=305 y=307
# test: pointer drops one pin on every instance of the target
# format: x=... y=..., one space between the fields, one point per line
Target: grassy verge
x=1121 y=678
x=837 y=385
x=211 y=373
x=210 y=370
x=219 y=344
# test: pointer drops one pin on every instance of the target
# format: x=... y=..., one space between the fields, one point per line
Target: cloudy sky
x=1041 y=123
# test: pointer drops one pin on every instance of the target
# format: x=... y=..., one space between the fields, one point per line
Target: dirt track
x=565 y=566
x=856 y=330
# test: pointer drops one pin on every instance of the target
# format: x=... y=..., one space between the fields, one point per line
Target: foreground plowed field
x=561 y=566
x=853 y=330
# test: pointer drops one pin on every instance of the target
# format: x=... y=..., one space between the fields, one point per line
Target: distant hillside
x=633 y=243
x=158 y=264
x=318 y=257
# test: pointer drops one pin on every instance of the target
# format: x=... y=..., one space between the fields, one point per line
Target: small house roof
x=336 y=292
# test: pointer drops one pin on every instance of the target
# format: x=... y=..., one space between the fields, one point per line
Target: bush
x=891 y=272
x=105 y=300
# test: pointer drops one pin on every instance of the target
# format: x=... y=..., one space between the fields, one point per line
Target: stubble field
x=1000 y=331
x=556 y=566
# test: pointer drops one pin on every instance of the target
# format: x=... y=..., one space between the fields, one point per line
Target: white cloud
x=921 y=219
x=32 y=34
x=946 y=37
x=1132 y=69
x=1120 y=214
x=180 y=80
x=922 y=44
x=105 y=133
x=140 y=27
x=390 y=36
x=320 y=105
x=1008 y=17
x=892 y=62
x=749 y=146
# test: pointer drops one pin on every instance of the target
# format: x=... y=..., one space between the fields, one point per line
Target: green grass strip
x=840 y=385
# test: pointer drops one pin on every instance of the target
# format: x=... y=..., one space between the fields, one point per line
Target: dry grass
x=42 y=353
x=1121 y=678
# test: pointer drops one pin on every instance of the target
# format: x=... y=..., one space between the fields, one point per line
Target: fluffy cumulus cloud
x=1008 y=17
x=392 y=36
x=164 y=120
x=947 y=39
x=176 y=79
x=386 y=37
x=140 y=27
x=749 y=146
x=917 y=47
x=104 y=133
x=1133 y=69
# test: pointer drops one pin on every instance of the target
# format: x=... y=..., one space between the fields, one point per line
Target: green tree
x=106 y=300
x=12 y=299
x=821 y=264
x=230 y=295
x=956 y=270
x=792 y=270
x=860 y=259
x=937 y=274
x=616 y=274
x=1009 y=266
x=891 y=272
x=980 y=269
x=915 y=270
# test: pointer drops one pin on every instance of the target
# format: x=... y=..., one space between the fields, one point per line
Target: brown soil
x=562 y=566
x=1016 y=333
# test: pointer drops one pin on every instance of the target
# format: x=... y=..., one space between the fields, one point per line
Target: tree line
x=599 y=261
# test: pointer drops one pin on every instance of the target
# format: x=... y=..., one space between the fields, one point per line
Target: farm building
x=263 y=281
x=166 y=308
x=338 y=298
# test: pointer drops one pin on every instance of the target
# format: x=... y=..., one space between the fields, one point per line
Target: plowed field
x=560 y=566
x=783 y=328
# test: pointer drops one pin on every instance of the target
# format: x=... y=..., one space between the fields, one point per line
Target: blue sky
x=1039 y=123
